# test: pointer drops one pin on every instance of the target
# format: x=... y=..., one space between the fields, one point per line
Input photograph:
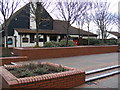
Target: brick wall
x=8 y=60
x=68 y=79
x=45 y=53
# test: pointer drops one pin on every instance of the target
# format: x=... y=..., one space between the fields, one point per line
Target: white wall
x=32 y=20
x=84 y=37
x=28 y=44
x=112 y=36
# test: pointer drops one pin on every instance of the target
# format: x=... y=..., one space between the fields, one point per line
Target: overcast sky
x=113 y=9
x=114 y=4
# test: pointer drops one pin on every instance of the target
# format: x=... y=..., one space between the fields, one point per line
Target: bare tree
x=69 y=12
x=36 y=11
x=83 y=18
x=117 y=21
x=88 y=19
x=102 y=18
x=7 y=9
x=80 y=23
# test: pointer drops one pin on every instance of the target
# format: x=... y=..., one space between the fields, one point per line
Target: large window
x=25 y=40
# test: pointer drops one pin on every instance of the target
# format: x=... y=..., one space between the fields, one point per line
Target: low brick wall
x=46 y=53
x=67 y=79
x=7 y=60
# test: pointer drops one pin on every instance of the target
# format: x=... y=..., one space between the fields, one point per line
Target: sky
x=113 y=9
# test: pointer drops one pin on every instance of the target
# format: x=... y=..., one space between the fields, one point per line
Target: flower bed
x=64 y=77
x=33 y=69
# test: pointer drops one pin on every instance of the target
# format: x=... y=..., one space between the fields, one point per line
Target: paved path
x=108 y=82
x=85 y=63
x=89 y=62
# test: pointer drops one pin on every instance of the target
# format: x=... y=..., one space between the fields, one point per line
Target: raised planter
x=68 y=79
x=47 y=53
x=8 y=60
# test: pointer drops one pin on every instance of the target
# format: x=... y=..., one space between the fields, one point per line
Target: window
x=25 y=40
x=41 y=40
x=10 y=41
x=53 y=38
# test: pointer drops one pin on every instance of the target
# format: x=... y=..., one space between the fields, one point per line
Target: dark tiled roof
x=61 y=25
x=115 y=33
x=17 y=12
x=34 y=31
x=58 y=28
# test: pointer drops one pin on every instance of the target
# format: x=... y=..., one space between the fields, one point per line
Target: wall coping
x=15 y=57
x=28 y=48
x=71 y=71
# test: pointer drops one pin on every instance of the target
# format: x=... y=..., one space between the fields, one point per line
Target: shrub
x=59 y=44
x=111 y=42
x=118 y=43
x=93 y=41
x=63 y=43
x=51 y=44
x=71 y=43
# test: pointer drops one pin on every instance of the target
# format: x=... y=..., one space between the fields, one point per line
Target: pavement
x=111 y=82
x=89 y=62
x=85 y=63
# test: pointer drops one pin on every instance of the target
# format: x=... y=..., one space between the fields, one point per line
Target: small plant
x=41 y=71
x=30 y=66
x=35 y=69
x=60 y=69
x=19 y=70
x=26 y=73
x=10 y=69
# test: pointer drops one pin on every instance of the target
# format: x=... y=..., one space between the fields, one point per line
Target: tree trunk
x=37 y=38
x=7 y=52
x=67 y=37
x=79 y=36
x=102 y=33
x=6 y=35
x=88 y=35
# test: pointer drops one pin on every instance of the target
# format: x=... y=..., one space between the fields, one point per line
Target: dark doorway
x=31 y=38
